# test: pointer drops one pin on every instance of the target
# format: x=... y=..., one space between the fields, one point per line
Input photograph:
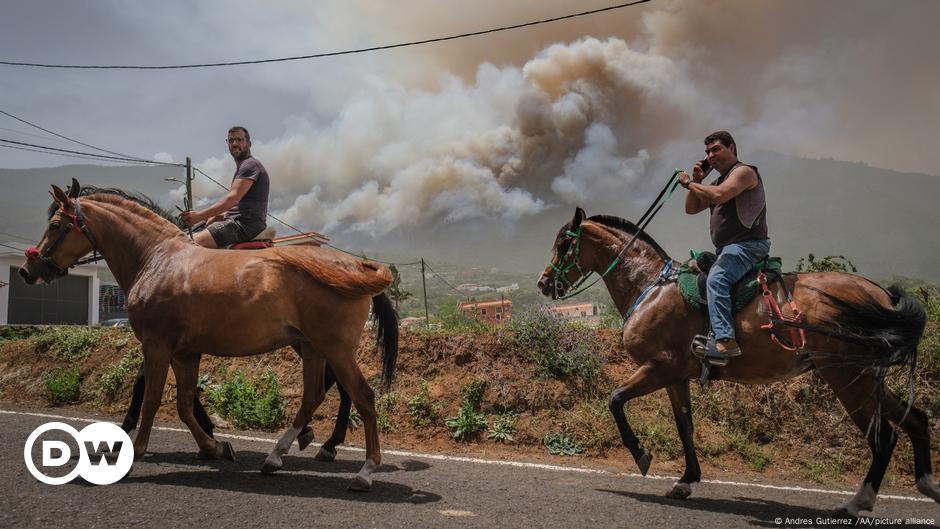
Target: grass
x=114 y=375
x=249 y=404
x=63 y=386
x=66 y=342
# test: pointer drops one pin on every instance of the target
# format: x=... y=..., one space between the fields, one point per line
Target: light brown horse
x=859 y=330
x=184 y=300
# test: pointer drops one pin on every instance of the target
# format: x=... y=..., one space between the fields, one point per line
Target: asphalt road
x=172 y=488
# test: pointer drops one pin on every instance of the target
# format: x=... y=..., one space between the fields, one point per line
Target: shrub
x=9 y=334
x=385 y=407
x=503 y=427
x=420 y=408
x=562 y=443
x=113 y=377
x=355 y=420
x=66 y=342
x=559 y=349
x=468 y=422
x=245 y=404
x=62 y=385
x=454 y=319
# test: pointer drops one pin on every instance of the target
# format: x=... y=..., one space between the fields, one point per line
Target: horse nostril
x=24 y=273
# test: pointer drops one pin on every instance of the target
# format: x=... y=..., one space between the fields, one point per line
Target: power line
x=443 y=280
x=329 y=54
x=16 y=236
x=21 y=120
x=89 y=154
x=79 y=157
x=11 y=247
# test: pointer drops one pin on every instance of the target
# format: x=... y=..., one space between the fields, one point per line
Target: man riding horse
x=738 y=228
x=240 y=215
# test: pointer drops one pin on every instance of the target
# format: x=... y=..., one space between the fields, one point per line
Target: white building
x=72 y=299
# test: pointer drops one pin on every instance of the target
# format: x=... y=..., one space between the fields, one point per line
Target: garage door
x=64 y=301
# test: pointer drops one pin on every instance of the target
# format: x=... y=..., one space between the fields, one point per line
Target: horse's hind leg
x=313 y=365
x=642 y=382
x=328 y=450
x=682 y=409
x=186 y=369
x=858 y=394
x=915 y=425
x=350 y=378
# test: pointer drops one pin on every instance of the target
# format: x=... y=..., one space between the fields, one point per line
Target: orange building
x=494 y=311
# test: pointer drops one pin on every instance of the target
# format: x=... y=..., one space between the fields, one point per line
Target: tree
x=830 y=263
x=395 y=291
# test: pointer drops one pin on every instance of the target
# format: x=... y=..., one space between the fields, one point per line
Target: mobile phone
x=706 y=167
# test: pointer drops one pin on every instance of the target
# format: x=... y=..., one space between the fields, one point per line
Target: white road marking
x=516 y=464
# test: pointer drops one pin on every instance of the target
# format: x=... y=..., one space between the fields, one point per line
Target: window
x=483 y=312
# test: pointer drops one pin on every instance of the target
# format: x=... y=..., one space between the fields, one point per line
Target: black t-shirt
x=253 y=207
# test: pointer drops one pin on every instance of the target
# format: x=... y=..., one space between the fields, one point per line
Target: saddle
x=693 y=277
x=262 y=240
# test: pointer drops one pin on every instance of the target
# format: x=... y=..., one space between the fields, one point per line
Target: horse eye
x=54 y=226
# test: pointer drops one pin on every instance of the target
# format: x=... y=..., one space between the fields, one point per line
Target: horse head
x=564 y=269
x=65 y=241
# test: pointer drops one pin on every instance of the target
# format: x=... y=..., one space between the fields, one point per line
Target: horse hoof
x=643 y=462
x=680 y=491
x=269 y=468
x=325 y=455
x=226 y=451
x=360 y=484
x=304 y=440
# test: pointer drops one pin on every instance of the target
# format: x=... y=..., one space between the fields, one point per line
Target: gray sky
x=504 y=126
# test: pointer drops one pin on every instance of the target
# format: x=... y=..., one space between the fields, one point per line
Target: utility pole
x=188 y=202
x=424 y=289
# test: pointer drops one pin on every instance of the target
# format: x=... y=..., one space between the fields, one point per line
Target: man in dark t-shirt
x=240 y=215
x=738 y=227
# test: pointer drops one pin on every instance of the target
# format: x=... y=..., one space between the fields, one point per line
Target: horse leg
x=682 y=409
x=186 y=369
x=915 y=424
x=857 y=394
x=642 y=382
x=156 y=364
x=313 y=366
x=137 y=398
x=328 y=450
x=305 y=437
x=350 y=377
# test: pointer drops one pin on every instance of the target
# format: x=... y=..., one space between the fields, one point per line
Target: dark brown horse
x=185 y=300
x=858 y=331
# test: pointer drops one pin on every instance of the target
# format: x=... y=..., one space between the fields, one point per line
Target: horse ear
x=60 y=197
x=578 y=217
x=74 y=190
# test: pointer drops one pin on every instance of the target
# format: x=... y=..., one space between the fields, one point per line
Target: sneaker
x=728 y=347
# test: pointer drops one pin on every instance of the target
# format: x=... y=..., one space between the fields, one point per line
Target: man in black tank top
x=241 y=214
x=738 y=226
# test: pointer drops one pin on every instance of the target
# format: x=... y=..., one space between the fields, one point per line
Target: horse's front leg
x=156 y=363
x=186 y=369
x=644 y=381
x=313 y=366
x=682 y=409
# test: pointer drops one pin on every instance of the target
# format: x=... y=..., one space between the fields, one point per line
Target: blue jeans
x=734 y=261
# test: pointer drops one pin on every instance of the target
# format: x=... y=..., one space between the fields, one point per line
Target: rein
x=76 y=222
x=573 y=253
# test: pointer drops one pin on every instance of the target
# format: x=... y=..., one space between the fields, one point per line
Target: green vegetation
x=420 y=408
x=452 y=318
x=752 y=454
x=385 y=408
x=469 y=422
x=9 y=334
x=355 y=420
x=114 y=375
x=63 y=386
x=558 y=348
x=249 y=404
x=66 y=342
x=830 y=263
x=563 y=443
x=504 y=425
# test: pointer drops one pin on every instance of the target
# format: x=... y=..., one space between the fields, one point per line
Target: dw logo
x=109 y=438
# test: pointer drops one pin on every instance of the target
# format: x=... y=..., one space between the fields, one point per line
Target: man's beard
x=243 y=156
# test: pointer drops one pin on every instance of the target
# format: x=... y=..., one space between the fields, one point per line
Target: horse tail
x=892 y=333
x=888 y=335
x=386 y=335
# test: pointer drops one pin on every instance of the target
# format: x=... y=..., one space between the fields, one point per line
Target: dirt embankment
x=790 y=431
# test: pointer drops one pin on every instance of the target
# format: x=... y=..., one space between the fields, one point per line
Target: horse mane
x=629 y=228
x=137 y=198
x=349 y=277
